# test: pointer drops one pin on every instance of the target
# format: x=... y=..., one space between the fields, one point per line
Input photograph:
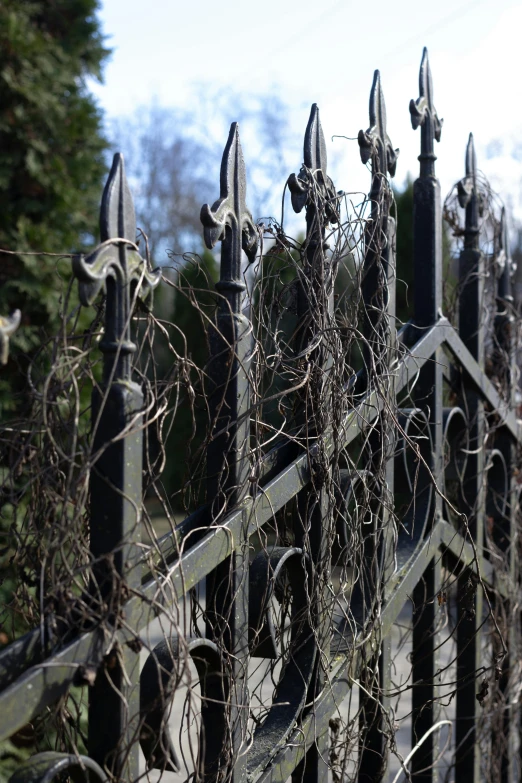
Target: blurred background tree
x=52 y=159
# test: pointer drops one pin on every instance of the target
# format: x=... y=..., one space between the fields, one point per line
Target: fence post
x=378 y=288
x=427 y=255
x=471 y=304
x=228 y=463
x=314 y=190
x=116 y=473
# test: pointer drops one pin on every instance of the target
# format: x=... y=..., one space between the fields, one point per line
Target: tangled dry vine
x=331 y=584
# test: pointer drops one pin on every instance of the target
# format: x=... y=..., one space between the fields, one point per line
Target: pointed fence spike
x=315 y=165
x=314 y=144
x=470 y=197
x=424 y=73
x=233 y=174
x=501 y=250
x=117 y=222
x=117 y=258
x=377 y=106
x=502 y=234
x=471 y=158
x=375 y=144
x=467 y=187
x=423 y=111
x=507 y=266
x=230 y=210
x=425 y=80
x=117 y=216
x=424 y=115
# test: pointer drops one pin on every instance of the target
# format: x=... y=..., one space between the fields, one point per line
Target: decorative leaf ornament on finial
x=229 y=219
x=116 y=267
x=424 y=114
x=375 y=144
x=8 y=326
x=315 y=165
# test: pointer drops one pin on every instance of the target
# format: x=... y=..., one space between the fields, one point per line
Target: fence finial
x=314 y=144
x=471 y=158
x=117 y=260
x=502 y=244
x=467 y=186
x=230 y=211
x=375 y=142
x=424 y=114
x=469 y=196
x=315 y=164
x=507 y=266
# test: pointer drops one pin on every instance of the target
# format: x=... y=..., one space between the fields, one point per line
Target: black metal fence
x=361 y=512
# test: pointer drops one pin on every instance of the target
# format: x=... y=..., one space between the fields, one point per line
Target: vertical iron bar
x=228 y=465
x=115 y=530
x=427 y=255
x=378 y=287
x=314 y=189
x=116 y=475
x=469 y=593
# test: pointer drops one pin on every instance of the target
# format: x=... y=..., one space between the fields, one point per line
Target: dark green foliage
x=190 y=309
x=51 y=153
x=52 y=168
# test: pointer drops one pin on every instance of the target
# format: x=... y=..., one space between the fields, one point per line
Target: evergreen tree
x=51 y=154
x=52 y=168
x=51 y=174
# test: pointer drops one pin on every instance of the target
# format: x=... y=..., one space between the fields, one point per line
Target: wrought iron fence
x=352 y=574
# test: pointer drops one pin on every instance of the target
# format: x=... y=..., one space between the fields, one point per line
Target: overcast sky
x=326 y=52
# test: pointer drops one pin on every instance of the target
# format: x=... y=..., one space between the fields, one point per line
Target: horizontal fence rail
x=342 y=599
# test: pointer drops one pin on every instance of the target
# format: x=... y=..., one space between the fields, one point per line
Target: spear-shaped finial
x=506 y=266
x=502 y=249
x=424 y=114
x=315 y=165
x=375 y=142
x=314 y=144
x=230 y=210
x=116 y=259
x=469 y=196
x=467 y=186
x=229 y=220
x=471 y=158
